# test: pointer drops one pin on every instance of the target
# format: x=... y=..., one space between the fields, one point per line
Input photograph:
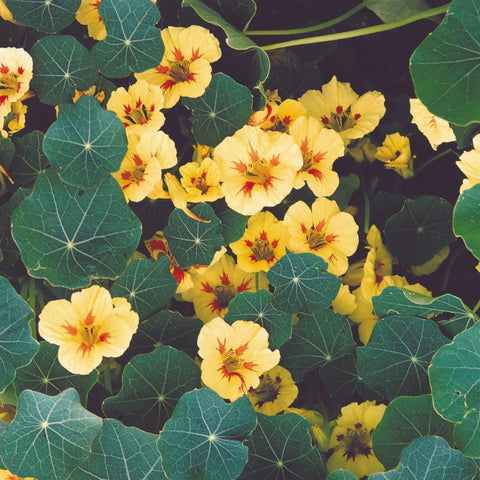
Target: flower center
x=9 y=84
x=262 y=249
x=224 y=293
x=180 y=71
x=138 y=174
x=138 y=115
x=232 y=361
x=201 y=184
x=356 y=442
x=268 y=390
x=341 y=119
x=316 y=239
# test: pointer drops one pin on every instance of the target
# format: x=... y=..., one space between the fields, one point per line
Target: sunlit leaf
x=86 y=143
x=395 y=359
x=50 y=436
x=69 y=235
x=151 y=386
x=280 y=448
x=466 y=221
x=203 y=439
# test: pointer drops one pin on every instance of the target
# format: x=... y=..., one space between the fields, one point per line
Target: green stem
x=107 y=374
x=366 y=200
x=433 y=159
x=476 y=307
x=360 y=31
x=311 y=28
x=448 y=270
x=257 y=281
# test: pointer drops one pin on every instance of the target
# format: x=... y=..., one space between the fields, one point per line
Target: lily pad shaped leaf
x=445 y=68
x=224 y=108
x=204 y=437
x=61 y=65
x=466 y=219
x=49 y=436
x=148 y=286
x=341 y=475
x=430 y=458
x=395 y=360
x=46 y=16
x=132 y=43
x=151 y=386
x=68 y=236
x=281 y=447
x=302 y=284
x=86 y=143
x=17 y=347
x=120 y=452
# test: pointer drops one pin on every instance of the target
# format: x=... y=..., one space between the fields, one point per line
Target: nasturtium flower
x=90 y=326
x=15 y=119
x=320 y=147
x=469 y=164
x=351 y=439
x=362 y=149
x=5 y=13
x=436 y=129
x=6 y=475
x=432 y=265
x=263 y=118
x=345 y=302
x=185 y=69
x=324 y=231
x=262 y=244
x=7 y=412
x=276 y=391
x=288 y=111
x=234 y=356
x=320 y=428
x=396 y=155
x=200 y=152
x=258 y=168
x=338 y=107
x=141 y=169
x=139 y=107
x=214 y=289
x=201 y=181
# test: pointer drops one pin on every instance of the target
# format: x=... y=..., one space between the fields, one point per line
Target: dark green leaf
x=347 y=187
x=233 y=224
x=151 y=386
x=7 y=151
x=281 y=448
x=341 y=475
x=395 y=359
x=464 y=135
x=384 y=205
x=203 y=439
x=466 y=222
x=50 y=436
x=133 y=43
x=389 y=11
x=419 y=230
x=316 y=341
x=237 y=12
x=69 y=236
x=193 y=242
x=224 y=108
x=86 y=143
x=256 y=306
x=61 y=65
x=467 y=434
x=302 y=284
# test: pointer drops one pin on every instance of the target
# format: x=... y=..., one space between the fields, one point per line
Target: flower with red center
x=320 y=148
x=338 y=107
x=258 y=168
x=234 y=356
x=214 y=289
x=288 y=111
x=185 y=69
x=262 y=244
x=90 y=326
x=201 y=181
x=324 y=231
x=139 y=107
x=262 y=118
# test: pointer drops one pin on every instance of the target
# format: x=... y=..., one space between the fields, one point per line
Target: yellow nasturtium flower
x=201 y=181
x=469 y=164
x=287 y=112
x=5 y=13
x=396 y=155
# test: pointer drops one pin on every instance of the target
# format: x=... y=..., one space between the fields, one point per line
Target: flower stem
x=107 y=374
x=476 y=307
x=360 y=31
x=433 y=159
x=448 y=269
x=311 y=28
x=366 y=199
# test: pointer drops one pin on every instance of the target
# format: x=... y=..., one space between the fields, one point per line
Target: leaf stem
x=360 y=32
x=476 y=307
x=366 y=199
x=107 y=374
x=448 y=269
x=433 y=159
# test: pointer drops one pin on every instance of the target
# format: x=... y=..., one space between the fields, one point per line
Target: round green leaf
x=419 y=230
x=147 y=285
x=133 y=43
x=233 y=223
x=151 y=386
x=17 y=347
x=281 y=447
x=444 y=67
x=203 y=439
x=466 y=223
x=45 y=374
x=395 y=359
x=256 y=306
x=316 y=341
x=68 y=235
x=49 y=436
x=86 y=143
x=341 y=475
x=224 y=108
x=120 y=452
x=389 y=11
x=405 y=419
x=47 y=16
x=467 y=434
x=430 y=458
x=193 y=242
x=302 y=284
x=61 y=65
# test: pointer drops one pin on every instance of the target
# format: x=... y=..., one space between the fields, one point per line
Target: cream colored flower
x=469 y=164
x=396 y=155
x=201 y=181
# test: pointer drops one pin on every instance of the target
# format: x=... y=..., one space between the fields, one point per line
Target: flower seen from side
x=185 y=69
x=396 y=155
x=469 y=164
x=288 y=111
x=258 y=168
x=263 y=118
x=90 y=326
x=5 y=13
x=201 y=181
x=234 y=356
x=351 y=439
x=262 y=244
x=320 y=428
